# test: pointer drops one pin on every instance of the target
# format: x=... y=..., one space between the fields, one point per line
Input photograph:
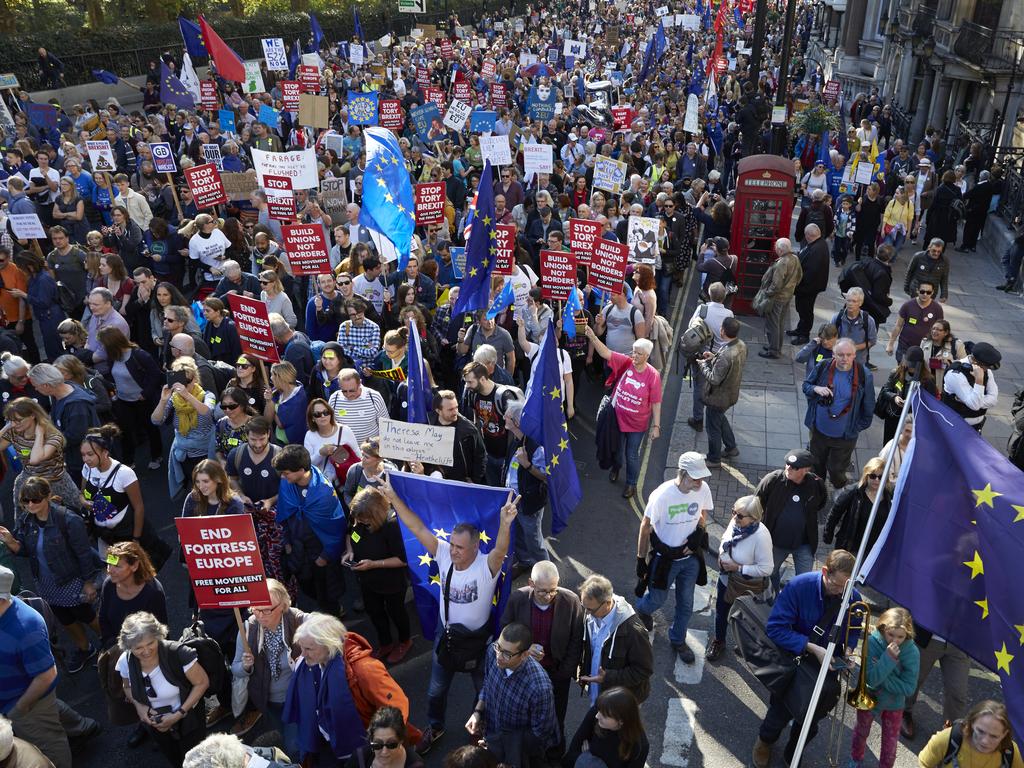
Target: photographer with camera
x=969 y=387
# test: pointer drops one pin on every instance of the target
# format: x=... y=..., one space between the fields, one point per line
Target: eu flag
x=362 y=108
x=660 y=43
x=192 y=37
x=950 y=551
x=105 y=77
x=649 y=58
x=418 y=393
x=316 y=31
x=543 y=420
x=506 y=298
x=356 y=26
x=441 y=505
x=739 y=18
x=388 y=205
x=572 y=306
x=480 y=248
x=172 y=91
x=294 y=59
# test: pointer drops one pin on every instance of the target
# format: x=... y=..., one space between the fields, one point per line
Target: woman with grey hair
x=165 y=682
x=745 y=562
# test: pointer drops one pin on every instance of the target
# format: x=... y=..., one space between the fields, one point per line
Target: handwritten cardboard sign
x=426 y=443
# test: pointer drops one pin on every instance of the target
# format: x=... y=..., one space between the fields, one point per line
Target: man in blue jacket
x=800 y=623
x=840 y=405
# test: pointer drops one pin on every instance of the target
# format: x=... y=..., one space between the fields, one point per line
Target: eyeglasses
x=925 y=293
x=265 y=611
x=344 y=282
x=150 y=690
x=507 y=655
x=594 y=611
x=229 y=406
x=265 y=282
x=170 y=319
x=377 y=746
x=320 y=414
x=33 y=499
x=874 y=477
x=741 y=516
x=546 y=592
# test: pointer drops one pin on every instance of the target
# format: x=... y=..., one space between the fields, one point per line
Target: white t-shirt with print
x=472 y=590
x=673 y=514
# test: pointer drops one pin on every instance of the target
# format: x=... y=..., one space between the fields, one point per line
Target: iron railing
x=1011 y=200
x=974 y=43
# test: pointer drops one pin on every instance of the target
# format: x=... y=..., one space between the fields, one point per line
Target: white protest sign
x=661 y=10
x=386 y=250
x=211 y=153
x=692 y=108
x=458 y=114
x=538 y=158
x=400 y=89
x=274 y=54
x=101 y=156
x=688 y=21
x=642 y=239
x=575 y=48
x=496 y=149
x=426 y=443
x=526 y=59
x=27 y=226
x=299 y=166
x=253 y=78
x=385 y=41
x=864 y=172
x=313 y=60
x=355 y=54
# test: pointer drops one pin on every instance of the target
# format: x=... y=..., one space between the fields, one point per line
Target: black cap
x=987 y=355
x=799 y=459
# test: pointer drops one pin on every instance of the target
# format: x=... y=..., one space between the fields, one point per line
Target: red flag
x=720 y=17
x=229 y=65
x=716 y=57
x=746 y=6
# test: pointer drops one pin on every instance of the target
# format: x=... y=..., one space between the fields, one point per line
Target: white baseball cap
x=692 y=463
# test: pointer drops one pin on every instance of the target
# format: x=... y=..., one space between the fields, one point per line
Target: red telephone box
x=763 y=213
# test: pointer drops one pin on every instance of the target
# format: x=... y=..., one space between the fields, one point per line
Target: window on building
x=987 y=13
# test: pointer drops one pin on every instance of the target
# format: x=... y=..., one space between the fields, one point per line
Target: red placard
x=608 y=265
x=428 y=48
x=290 y=90
x=280 y=201
x=831 y=90
x=223 y=559
x=583 y=234
x=436 y=95
x=623 y=116
x=499 y=95
x=430 y=203
x=422 y=77
x=462 y=91
x=309 y=78
x=557 y=274
x=391 y=114
x=447 y=51
x=505 y=243
x=306 y=246
x=205 y=184
x=253 y=323
x=208 y=94
x=488 y=68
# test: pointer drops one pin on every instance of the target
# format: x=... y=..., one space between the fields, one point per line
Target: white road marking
x=690 y=674
x=677 y=738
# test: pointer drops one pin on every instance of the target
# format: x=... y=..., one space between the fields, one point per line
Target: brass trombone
x=858 y=697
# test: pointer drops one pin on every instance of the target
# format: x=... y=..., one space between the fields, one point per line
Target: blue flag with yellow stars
x=172 y=91
x=388 y=205
x=192 y=37
x=419 y=394
x=441 y=505
x=506 y=298
x=543 y=420
x=950 y=551
x=481 y=248
x=362 y=108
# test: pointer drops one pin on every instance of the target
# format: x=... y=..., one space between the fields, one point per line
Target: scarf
x=319 y=701
x=273 y=643
x=738 y=535
x=188 y=417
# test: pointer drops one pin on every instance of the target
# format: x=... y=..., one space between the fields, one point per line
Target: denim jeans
x=719 y=432
x=803 y=561
x=494 y=469
x=629 y=455
x=697 y=379
x=663 y=288
x=683 y=574
x=441 y=681
x=529 y=533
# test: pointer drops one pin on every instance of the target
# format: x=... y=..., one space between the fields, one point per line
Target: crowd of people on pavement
x=117 y=331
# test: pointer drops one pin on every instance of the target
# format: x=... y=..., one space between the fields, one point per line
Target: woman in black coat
x=851 y=509
x=942 y=219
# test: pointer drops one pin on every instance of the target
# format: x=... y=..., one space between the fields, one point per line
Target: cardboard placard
x=211 y=154
x=333 y=197
x=496 y=149
x=309 y=78
x=429 y=202
x=239 y=186
x=391 y=114
x=101 y=156
x=583 y=235
x=426 y=443
x=557 y=274
x=223 y=559
x=538 y=158
x=290 y=92
x=27 y=226
x=163 y=157
x=299 y=166
x=208 y=94
x=274 y=54
x=253 y=323
x=307 y=249
x=205 y=183
x=505 y=243
x=313 y=110
x=608 y=265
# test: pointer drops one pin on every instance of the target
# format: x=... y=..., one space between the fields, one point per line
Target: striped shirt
x=361 y=415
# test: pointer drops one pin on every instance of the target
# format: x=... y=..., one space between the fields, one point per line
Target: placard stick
x=174 y=192
x=241 y=631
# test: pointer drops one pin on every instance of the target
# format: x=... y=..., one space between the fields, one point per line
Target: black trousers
x=384 y=610
x=326 y=585
x=805 y=309
x=864 y=243
x=775 y=722
x=133 y=418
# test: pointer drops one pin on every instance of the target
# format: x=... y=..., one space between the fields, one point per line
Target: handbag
x=461 y=649
x=342 y=467
x=761 y=302
x=797 y=694
x=738 y=585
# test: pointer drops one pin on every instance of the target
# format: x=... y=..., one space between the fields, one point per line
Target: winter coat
x=723 y=375
x=848 y=517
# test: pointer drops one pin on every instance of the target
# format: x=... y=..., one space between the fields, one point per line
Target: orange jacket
x=368 y=679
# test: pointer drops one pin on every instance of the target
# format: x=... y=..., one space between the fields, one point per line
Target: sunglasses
x=33 y=500
x=243 y=365
x=874 y=477
x=320 y=414
x=925 y=293
x=229 y=406
x=169 y=319
x=377 y=746
x=150 y=690
x=344 y=282
x=264 y=282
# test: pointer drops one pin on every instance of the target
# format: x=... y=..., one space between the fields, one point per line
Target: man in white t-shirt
x=370 y=285
x=672 y=530
x=469 y=578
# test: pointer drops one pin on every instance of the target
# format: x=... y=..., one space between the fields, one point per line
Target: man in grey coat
x=779 y=284
x=723 y=373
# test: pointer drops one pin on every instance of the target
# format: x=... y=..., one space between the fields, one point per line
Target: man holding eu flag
x=468 y=581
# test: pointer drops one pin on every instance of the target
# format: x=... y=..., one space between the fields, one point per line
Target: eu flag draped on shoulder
x=950 y=551
x=419 y=395
x=388 y=205
x=104 y=76
x=572 y=306
x=481 y=248
x=441 y=505
x=543 y=420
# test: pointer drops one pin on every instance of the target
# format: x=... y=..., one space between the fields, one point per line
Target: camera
x=960 y=366
x=825 y=400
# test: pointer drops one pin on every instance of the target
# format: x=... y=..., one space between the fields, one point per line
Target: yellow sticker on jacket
x=356 y=537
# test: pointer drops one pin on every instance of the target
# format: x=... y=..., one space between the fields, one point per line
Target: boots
x=762 y=755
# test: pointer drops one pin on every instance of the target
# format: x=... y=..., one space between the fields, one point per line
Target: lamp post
x=760 y=16
x=779 y=134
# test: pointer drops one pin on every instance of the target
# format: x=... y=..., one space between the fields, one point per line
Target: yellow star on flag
x=1020 y=513
x=494 y=600
x=494 y=250
x=554 y=460
x=494 y=234
x=985 y=496
x=472 y=271
x=1003 y=659
x=976 y=566
x=563 y=444
x=983 y=604
x=1020 y=628
x=381 y=182
x=486 y=220
x=484 y=263
x=426 y=559
x=436 y=579
x=389 y=198
x=400 y=207
x=556 y=393
x=484 y=537
x=441 y=533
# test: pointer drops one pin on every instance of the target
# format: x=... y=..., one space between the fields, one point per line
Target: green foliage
x=815 y=119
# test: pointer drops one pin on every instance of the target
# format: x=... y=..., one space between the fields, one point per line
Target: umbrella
x=539 y=69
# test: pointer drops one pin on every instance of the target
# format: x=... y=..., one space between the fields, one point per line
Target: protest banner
x=226 y=118
x=583 y=234
x=688 y=21
x=831 y=90
x=608 y=265
x=458 y=261
x=269 y=117
x=391 y=115
x=299 y=166
x=426 y=119
x=290 y=91
x=426 y=443
x=333 y=197
x=309 y=78
x=163 y=157
x=206 y=186
x=313 y=110
x=253 y=78
x=499 y=96
x=208 y=94
x=692 y=110
x=239 y=186
x=313 y=60
x=422 y=77
x=496 y=149
x=211 y=154
x=575 y=48
x=429 y=203
x=538 y=158
x=557 y=274
x=27 y=226
x=307 y=249
x=280 y=200
x=101 y=156
x=223 y=559
x=505 y=245
x=447 y=51
x=623 y=116
x=462 y=91
x=435 y=95
x=274 y=54
x=253 y=323
x=457 y=115
x=483 y=121
x=864 y=172
x=488 y=69
x=527 y=59
x=355 y=55
x=642 y=239
x=609 y=175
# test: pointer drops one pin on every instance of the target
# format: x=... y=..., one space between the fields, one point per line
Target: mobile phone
x=350 y=563
x=176 y=377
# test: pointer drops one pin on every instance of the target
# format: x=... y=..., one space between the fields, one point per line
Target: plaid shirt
x=360 y=342
x=520 y=701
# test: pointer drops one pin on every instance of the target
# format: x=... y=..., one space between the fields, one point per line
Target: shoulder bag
x=461 y=649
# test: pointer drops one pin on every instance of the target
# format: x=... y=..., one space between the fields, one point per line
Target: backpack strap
x=633 y=312
x=956 y=738
x=448 y=593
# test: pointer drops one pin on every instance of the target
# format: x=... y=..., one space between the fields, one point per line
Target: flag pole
x=837 y=628
x=174 y=192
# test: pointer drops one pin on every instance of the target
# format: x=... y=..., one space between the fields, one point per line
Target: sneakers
x=769 y=355
x=762 y=754
x=427 y=740
x=697 y=425
x=245 y=723
x=629 y=492
x=714 y=650
x=399 y=652
x=647 y=619
x=731 y=453
x=215 y=715
x=78 y=658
